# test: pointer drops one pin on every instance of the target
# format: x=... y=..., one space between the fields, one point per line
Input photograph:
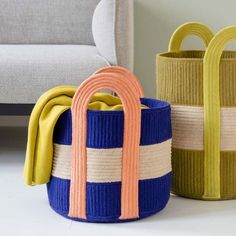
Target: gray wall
x=155 y=21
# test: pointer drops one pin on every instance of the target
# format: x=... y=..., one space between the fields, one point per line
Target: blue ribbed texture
x=105 y=128
x=103 y=199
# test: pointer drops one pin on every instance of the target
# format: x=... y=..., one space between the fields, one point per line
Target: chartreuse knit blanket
x=49 y=107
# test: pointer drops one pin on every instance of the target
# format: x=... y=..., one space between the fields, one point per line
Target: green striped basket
x=201 y=87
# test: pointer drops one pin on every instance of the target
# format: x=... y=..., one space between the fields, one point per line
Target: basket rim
x=166 y=56
x=152 y=103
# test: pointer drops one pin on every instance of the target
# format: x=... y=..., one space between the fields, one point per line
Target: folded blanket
x=49 y=107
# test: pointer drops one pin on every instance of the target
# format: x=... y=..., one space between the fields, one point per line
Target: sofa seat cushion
x=27 y=71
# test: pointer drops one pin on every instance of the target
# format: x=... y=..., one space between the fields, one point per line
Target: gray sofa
x=48 y=43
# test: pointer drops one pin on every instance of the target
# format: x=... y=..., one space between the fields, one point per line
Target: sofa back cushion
x=46 y=21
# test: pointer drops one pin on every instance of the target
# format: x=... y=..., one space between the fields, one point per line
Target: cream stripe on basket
x=187 y=126
x=104 y=165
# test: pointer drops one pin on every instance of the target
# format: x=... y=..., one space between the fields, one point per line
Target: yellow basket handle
x=211 y=91
x=191 y=28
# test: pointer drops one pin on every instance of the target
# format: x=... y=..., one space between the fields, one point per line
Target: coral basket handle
x=191 y=28
x=211 y=91
x=124 y=72
x=130 y=97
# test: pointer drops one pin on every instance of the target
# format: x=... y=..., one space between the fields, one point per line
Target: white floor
x=25 y=211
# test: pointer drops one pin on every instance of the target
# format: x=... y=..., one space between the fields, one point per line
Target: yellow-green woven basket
x=201 y=86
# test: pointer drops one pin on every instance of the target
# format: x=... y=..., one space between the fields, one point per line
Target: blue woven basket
x=111 y=166
x=105 y=136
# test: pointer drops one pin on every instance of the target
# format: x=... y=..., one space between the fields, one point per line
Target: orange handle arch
x=124 y=72
x=124 y=87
